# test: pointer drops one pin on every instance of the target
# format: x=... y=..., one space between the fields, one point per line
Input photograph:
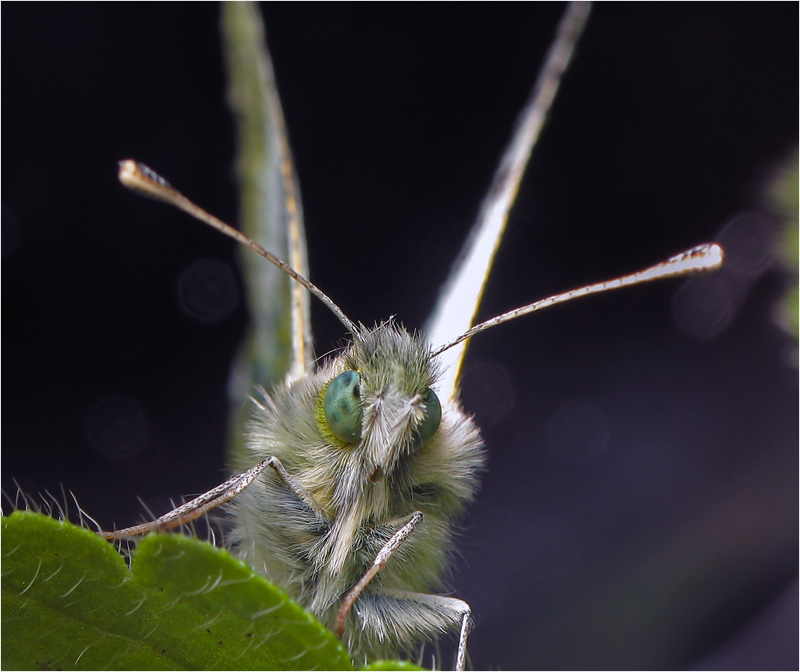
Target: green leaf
x=69 y=601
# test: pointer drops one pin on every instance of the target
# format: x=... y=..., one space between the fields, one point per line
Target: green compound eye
x=433 y=416
x=343 y=406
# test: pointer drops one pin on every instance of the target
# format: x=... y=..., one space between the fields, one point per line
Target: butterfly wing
x=461 y=296
x=279 y=343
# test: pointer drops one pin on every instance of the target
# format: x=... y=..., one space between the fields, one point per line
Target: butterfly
x=368 y=313
x=362 y=469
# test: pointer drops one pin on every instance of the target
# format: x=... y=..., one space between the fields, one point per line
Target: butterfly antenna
x=706 y=257
x=145 y=181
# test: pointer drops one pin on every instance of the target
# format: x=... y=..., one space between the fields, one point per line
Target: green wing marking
x=278 y=343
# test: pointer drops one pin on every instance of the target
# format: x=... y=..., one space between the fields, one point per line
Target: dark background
x=640 y=507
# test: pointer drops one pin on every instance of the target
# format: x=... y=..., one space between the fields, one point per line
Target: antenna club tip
x=716 y=255
x=143 y=180
x=707 y=257
x=128 y=171
x=710 y=256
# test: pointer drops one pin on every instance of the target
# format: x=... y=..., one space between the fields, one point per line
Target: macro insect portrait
x=623 y=451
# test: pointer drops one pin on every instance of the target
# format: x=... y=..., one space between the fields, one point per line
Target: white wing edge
x=460 y=298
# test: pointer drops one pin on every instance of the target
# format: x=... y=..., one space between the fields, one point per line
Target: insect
x=363 y=468
x=547 y=364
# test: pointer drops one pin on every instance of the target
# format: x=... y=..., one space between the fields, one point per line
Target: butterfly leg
x=383 y=556
x=458 y=611
x=224 y=492
x=294 y=485
x=427 y=616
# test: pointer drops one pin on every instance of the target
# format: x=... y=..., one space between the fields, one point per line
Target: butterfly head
x=381 y=406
